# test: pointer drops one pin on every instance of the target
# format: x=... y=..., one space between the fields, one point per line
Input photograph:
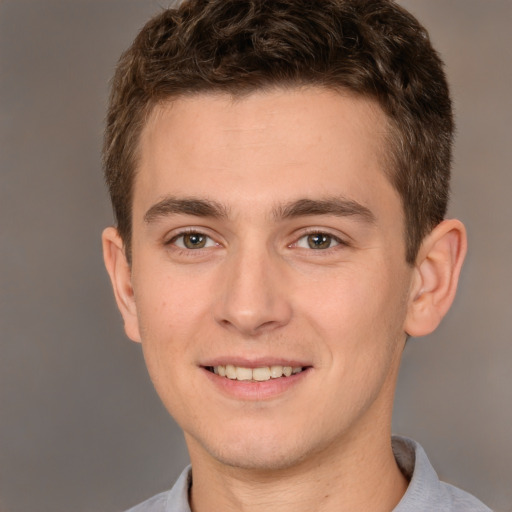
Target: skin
x=234 y=171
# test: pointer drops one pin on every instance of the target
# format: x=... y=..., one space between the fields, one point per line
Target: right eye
x=192 y=240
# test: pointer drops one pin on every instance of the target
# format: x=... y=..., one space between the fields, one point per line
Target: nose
x=253 y=296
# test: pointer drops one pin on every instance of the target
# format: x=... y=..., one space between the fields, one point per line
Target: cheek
x=167 y=315
x=360 y=314
x=363 y=329
x=168 y=304
x=353 y=298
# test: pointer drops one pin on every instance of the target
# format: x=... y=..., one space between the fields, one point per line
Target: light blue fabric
x=426 y=493
x=175 y=500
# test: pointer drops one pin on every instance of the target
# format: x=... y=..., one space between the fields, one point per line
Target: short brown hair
x=373 y=48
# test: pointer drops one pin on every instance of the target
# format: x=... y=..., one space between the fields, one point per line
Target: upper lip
x=253 y=362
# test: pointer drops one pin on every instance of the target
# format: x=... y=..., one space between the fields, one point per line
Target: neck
x=355 y=475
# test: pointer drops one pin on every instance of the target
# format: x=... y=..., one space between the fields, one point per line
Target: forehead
x=275 y=145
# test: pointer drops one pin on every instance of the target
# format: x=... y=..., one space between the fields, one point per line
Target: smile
x=261 y=374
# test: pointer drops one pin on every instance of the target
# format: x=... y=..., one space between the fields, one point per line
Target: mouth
x=260 y=374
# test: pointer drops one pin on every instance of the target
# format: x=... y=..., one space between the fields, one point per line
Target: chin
x=259 y=459
x=263 y=452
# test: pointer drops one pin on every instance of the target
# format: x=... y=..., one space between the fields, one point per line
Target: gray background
x=80 y=426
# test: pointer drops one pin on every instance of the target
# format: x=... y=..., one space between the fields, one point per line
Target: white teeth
x=230 y=372
x=243 y=373
x=261 y=374
x=276 y=372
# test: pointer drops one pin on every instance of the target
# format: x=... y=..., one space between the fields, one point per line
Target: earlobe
x=436 y=276
x=120 y=276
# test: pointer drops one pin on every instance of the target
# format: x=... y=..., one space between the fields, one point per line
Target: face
x=267 y=239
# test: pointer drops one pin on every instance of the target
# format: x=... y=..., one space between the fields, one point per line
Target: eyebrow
x=337 y=206
x=185 y=206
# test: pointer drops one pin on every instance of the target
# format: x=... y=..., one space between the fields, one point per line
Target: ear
x=121 y=277
x=436 y=275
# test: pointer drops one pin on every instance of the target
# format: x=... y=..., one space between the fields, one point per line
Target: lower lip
x=253 y=390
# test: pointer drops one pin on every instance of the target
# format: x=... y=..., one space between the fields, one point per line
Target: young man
x=279 y=172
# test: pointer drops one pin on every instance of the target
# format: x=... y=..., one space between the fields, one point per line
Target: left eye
x=317 y=241
x=192 y=240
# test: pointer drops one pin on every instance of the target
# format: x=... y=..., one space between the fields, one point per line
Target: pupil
x=194 y=240
x=319 y=241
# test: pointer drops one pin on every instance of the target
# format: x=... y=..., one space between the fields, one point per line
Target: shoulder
x=458 y=500
x=155 y=504
x=426 y=493
x=175 y=500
